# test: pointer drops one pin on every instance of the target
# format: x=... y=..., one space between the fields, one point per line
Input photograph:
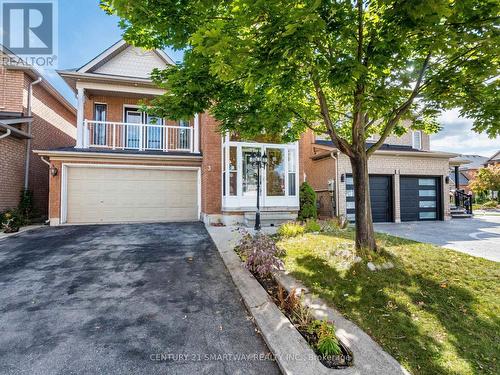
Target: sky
x=85 y=31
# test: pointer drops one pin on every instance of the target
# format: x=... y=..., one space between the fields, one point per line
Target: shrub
x=333 y=225
x=489 y=204
x=11 y=221
x=312 y=226
x=327 y=344
x=290 y=229
x=308 y=209
x=261 y=254
x=25 y=207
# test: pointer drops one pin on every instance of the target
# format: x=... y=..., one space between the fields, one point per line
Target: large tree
x=350 y=69
x=487 y=179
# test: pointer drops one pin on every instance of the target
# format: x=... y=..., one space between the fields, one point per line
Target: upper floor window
x=99 y=129
x=417 y=139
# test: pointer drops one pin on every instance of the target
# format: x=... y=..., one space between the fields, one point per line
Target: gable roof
x=35 y=74
x=121 y=63
x=462 y=179
x=112 y=52
x=474 y=161
x=495 y=157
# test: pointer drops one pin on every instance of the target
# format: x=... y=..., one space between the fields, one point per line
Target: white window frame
x=416 y=145
x=240 y=202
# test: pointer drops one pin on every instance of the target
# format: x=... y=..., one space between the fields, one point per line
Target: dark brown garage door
x=420 y=198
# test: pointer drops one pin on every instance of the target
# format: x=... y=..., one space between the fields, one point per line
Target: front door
x=154 y=133
x=249 y=176
x=132 y=132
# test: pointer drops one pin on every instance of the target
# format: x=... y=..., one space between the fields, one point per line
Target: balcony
x=139 y=137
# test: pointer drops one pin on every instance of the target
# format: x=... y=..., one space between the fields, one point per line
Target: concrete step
x=269 y=218
x=460 y=215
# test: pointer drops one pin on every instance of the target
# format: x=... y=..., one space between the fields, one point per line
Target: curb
x=21 y=230
x=292 y=353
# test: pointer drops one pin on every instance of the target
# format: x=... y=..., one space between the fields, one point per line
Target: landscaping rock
x=372 y=267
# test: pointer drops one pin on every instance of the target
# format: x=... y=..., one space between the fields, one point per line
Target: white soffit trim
x=96 y=60
x=119 y=88
x=97 y=155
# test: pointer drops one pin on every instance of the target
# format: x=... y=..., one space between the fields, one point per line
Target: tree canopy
x=281 y=66
x=347 y=68
x=486 y=179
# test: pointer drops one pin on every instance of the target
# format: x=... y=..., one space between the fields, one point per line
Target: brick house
x=33 y=115
x=130 y=166
x=408 y=181
x=494 y=160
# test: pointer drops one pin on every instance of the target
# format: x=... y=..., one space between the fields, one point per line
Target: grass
x=436 y=312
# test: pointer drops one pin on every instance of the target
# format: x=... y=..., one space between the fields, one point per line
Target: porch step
x=269 y=218
x=459 y=213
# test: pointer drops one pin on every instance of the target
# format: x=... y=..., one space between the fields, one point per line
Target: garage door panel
x=419 y=198
x=380 y=197
x=107 y=195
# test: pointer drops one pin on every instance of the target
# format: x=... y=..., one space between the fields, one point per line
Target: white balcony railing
x=141 y=137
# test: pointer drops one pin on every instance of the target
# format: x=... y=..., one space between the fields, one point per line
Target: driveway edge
x=21 y=230
x=292 y=352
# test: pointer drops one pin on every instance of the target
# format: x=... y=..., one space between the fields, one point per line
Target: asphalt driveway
x=122 y=299
x=478 y=236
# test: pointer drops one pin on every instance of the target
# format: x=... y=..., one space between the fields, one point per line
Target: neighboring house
x=33 y=115
x=128 y=166
x=466 y=167
x=408 y=182
x=494 y=160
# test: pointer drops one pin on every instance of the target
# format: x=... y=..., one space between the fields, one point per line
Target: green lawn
x=437 y=311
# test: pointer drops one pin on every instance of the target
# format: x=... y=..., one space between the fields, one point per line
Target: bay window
x=279 y=179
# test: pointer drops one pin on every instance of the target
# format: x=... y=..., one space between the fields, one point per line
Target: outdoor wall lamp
x=53 y=171
x=447 y=179
x=259 y=161
x=342 y=178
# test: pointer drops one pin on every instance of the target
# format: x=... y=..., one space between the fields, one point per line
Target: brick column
x=397 y=198
x=79 y=118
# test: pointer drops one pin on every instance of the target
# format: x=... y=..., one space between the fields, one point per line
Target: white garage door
x=114 y=195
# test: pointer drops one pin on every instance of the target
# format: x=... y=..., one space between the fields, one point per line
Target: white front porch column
x=80 y=133
x=196 y=136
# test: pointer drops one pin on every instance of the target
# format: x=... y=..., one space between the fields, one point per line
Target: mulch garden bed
x=339 y=361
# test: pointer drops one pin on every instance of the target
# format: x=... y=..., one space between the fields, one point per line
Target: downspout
x=45 y=161
x=28 y=143
x=6 y=134
x=332 y=154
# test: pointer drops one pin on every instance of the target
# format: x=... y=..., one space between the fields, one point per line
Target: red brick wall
x=45 y=136
x=317 y=172
x=12 y=150
x=211 y=167
x=13 y=84
x=115 y=105
x=11 y=90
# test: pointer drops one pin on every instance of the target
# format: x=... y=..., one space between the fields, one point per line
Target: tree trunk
x=365 y=236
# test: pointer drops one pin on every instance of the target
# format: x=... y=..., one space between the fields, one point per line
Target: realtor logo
x=29 y=29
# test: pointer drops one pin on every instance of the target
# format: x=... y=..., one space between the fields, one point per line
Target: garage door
x=380 y=196
x=420 y=198
x=112 y=195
